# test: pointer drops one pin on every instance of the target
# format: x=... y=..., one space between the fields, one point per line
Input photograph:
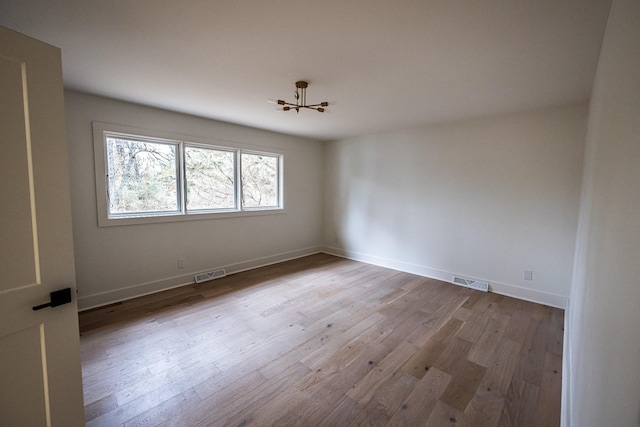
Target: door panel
x=39 y=350
x=23 y=375
x=14 y=168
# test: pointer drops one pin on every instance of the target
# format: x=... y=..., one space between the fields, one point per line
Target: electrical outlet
x=528 y=275
x=182 y=263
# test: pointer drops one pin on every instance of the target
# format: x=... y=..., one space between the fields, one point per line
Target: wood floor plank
x=454 y=352
x=326 y=395
x=386 y=401
x=334 y=339
x=100 y=407
x=141 y=404
x=159 y=413
x=533 y=352
x=466 y=375
x=517 y=328
x=483 y=349
x=420 y=363
x=107 y=383
x=462 y=313
x=520 y=405
x=426 y=356
x=484 y=410
x=322 y=340
x=342 y=413
x=444 y=415
x=483 y=310
x=227 y=383
x=367 y=387
x=415 y=329
x=556 y=333
x=422 y=400
x=500 y=370
x=241 y=409
x=550 y=391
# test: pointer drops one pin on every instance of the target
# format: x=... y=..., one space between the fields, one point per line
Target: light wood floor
x=322 y=341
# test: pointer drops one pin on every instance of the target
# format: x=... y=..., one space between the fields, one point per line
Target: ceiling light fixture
x=301 y=100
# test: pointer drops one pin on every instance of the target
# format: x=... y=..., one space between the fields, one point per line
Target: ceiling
x=383 y=65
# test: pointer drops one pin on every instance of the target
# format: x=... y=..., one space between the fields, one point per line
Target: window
x=260 y=181
x=156 y=178
x=142 y=176
x=210 y=176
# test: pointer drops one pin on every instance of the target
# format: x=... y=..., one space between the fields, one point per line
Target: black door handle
x=63 y=296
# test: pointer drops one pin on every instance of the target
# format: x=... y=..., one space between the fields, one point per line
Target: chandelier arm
x=310 y=107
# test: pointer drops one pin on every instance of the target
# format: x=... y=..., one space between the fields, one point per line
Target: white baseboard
x=545 y=298
x=97 y=300
x=565 y=408
x=104 y=298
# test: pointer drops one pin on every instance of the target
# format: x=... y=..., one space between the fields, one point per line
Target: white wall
x=486 y=199
x=603 y=353
x=115 y=263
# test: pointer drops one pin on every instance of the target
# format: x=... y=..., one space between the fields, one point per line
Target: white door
x=40 y=374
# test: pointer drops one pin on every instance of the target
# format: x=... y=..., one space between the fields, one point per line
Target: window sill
x=140 y=220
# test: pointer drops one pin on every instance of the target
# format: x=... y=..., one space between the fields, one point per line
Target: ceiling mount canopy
x=301 y=100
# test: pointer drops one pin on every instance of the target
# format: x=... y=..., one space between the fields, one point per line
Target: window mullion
x=183 y=179
x=238 y=186
x=280 y=178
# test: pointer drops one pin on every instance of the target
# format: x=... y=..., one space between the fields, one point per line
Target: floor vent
x=210 y=275
x=473 y=284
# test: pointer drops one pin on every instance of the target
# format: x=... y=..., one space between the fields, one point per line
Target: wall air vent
x=473 y=284
x=210 y=275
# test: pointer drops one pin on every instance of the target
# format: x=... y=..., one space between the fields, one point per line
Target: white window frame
x=179 y=163
x=236 y=166
x=102 y=130
x=279 y=159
